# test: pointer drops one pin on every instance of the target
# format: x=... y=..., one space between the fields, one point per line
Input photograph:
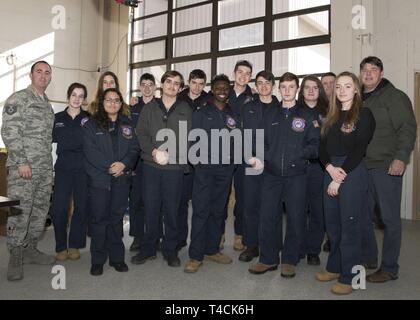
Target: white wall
x=395 y=38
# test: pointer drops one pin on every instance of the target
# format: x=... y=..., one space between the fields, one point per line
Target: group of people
x=332 y=150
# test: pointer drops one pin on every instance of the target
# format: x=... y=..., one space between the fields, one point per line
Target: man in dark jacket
x=386 y=158
x=164 y=164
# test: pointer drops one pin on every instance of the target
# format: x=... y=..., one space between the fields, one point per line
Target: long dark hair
x=322 y=102
x=101 y=116
x=335 y=105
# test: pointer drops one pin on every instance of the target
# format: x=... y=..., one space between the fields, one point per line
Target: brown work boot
x=287 y=270
x=341 y=288
x=62 y=255
x=219 y=258
x=192 y=266
x=381 y=276
x=15 y=267
x=74 y=254
x=261 y=268
x=326 y=276
x=237 y=244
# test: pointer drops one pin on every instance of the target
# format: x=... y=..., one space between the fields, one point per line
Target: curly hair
x=101 y=116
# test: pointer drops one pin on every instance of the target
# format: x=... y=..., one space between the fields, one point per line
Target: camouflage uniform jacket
x=27 y=127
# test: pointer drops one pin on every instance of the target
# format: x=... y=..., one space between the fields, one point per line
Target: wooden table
x=7 y=202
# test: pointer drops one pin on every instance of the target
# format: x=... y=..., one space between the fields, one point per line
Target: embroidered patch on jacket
x=10 y=110
x=348 y=128
x=298 y=124
x=84 y=120
x=127 y=132
x=60 y=125
x=230 y=122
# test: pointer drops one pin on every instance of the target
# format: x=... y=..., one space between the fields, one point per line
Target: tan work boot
x=237 y=244
x=219 y=258
x=192 y=266
x=261 y=268
x=31 y=255
x=62 y=255
x=222 y=242
x=326 y=276
x=287 y=270
x=74 y=254
x=341 y=288
x=15 y=267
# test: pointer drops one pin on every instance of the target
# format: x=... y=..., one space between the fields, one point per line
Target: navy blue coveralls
x=314 y=224
x=211 y=183
x=136 y=205
x=252 y=119
x=108 y=195
x=187 y=184
x=345 y=146
x=237 y=103
x=290 y=140
x=70 y=178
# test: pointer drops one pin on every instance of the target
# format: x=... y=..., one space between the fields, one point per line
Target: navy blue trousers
x=161 y=196
x=293 y=191
x=210 y=194
x=136 y=205
x=66 y=184
x=385 y=191
x=344 y=220
x=187 y=187
x=252 y=201
x=314 y=222
x=106 y=221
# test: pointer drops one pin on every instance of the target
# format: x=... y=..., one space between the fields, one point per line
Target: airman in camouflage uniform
x=28 y=120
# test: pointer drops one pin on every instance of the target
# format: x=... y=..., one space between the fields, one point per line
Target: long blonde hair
x=335 y=105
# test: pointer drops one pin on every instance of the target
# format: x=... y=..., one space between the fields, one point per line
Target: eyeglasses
x=112 y=101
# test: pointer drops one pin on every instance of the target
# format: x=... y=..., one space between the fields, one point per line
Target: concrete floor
x=155 y=280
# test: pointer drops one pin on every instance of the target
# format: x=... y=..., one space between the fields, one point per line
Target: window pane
x=194 y=18
x=186 y=67
x=291 y=5
x=183 y=3
x=149 y=7
x=302 y=60
x=149 y=51
x=227 y=64
x=150 y=28
x=189 y=45
x=156 y=71
x=241 y=37
x=308 y=25
x=236 y=10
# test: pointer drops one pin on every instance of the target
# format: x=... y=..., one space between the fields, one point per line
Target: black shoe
x=327 y=246
x=135 y=246
x=313 y=260
x=96 y=269
x=120 y=267
x=181 y=245
x=173 y=261
x=140 y=258
x=249 y=254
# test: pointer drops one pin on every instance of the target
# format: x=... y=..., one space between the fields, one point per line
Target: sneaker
x=261 y=268
x=237 y=244
x=192 y=266
x=287 y=270
x=96 y=269
x=173 y=261
x=120 y=266
x=326 y=276
x=341 y=288
x=74 y=254
x=219 y=258
x=62 y=255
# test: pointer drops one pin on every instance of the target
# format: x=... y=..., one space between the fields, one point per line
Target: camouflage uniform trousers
x=27 y=221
